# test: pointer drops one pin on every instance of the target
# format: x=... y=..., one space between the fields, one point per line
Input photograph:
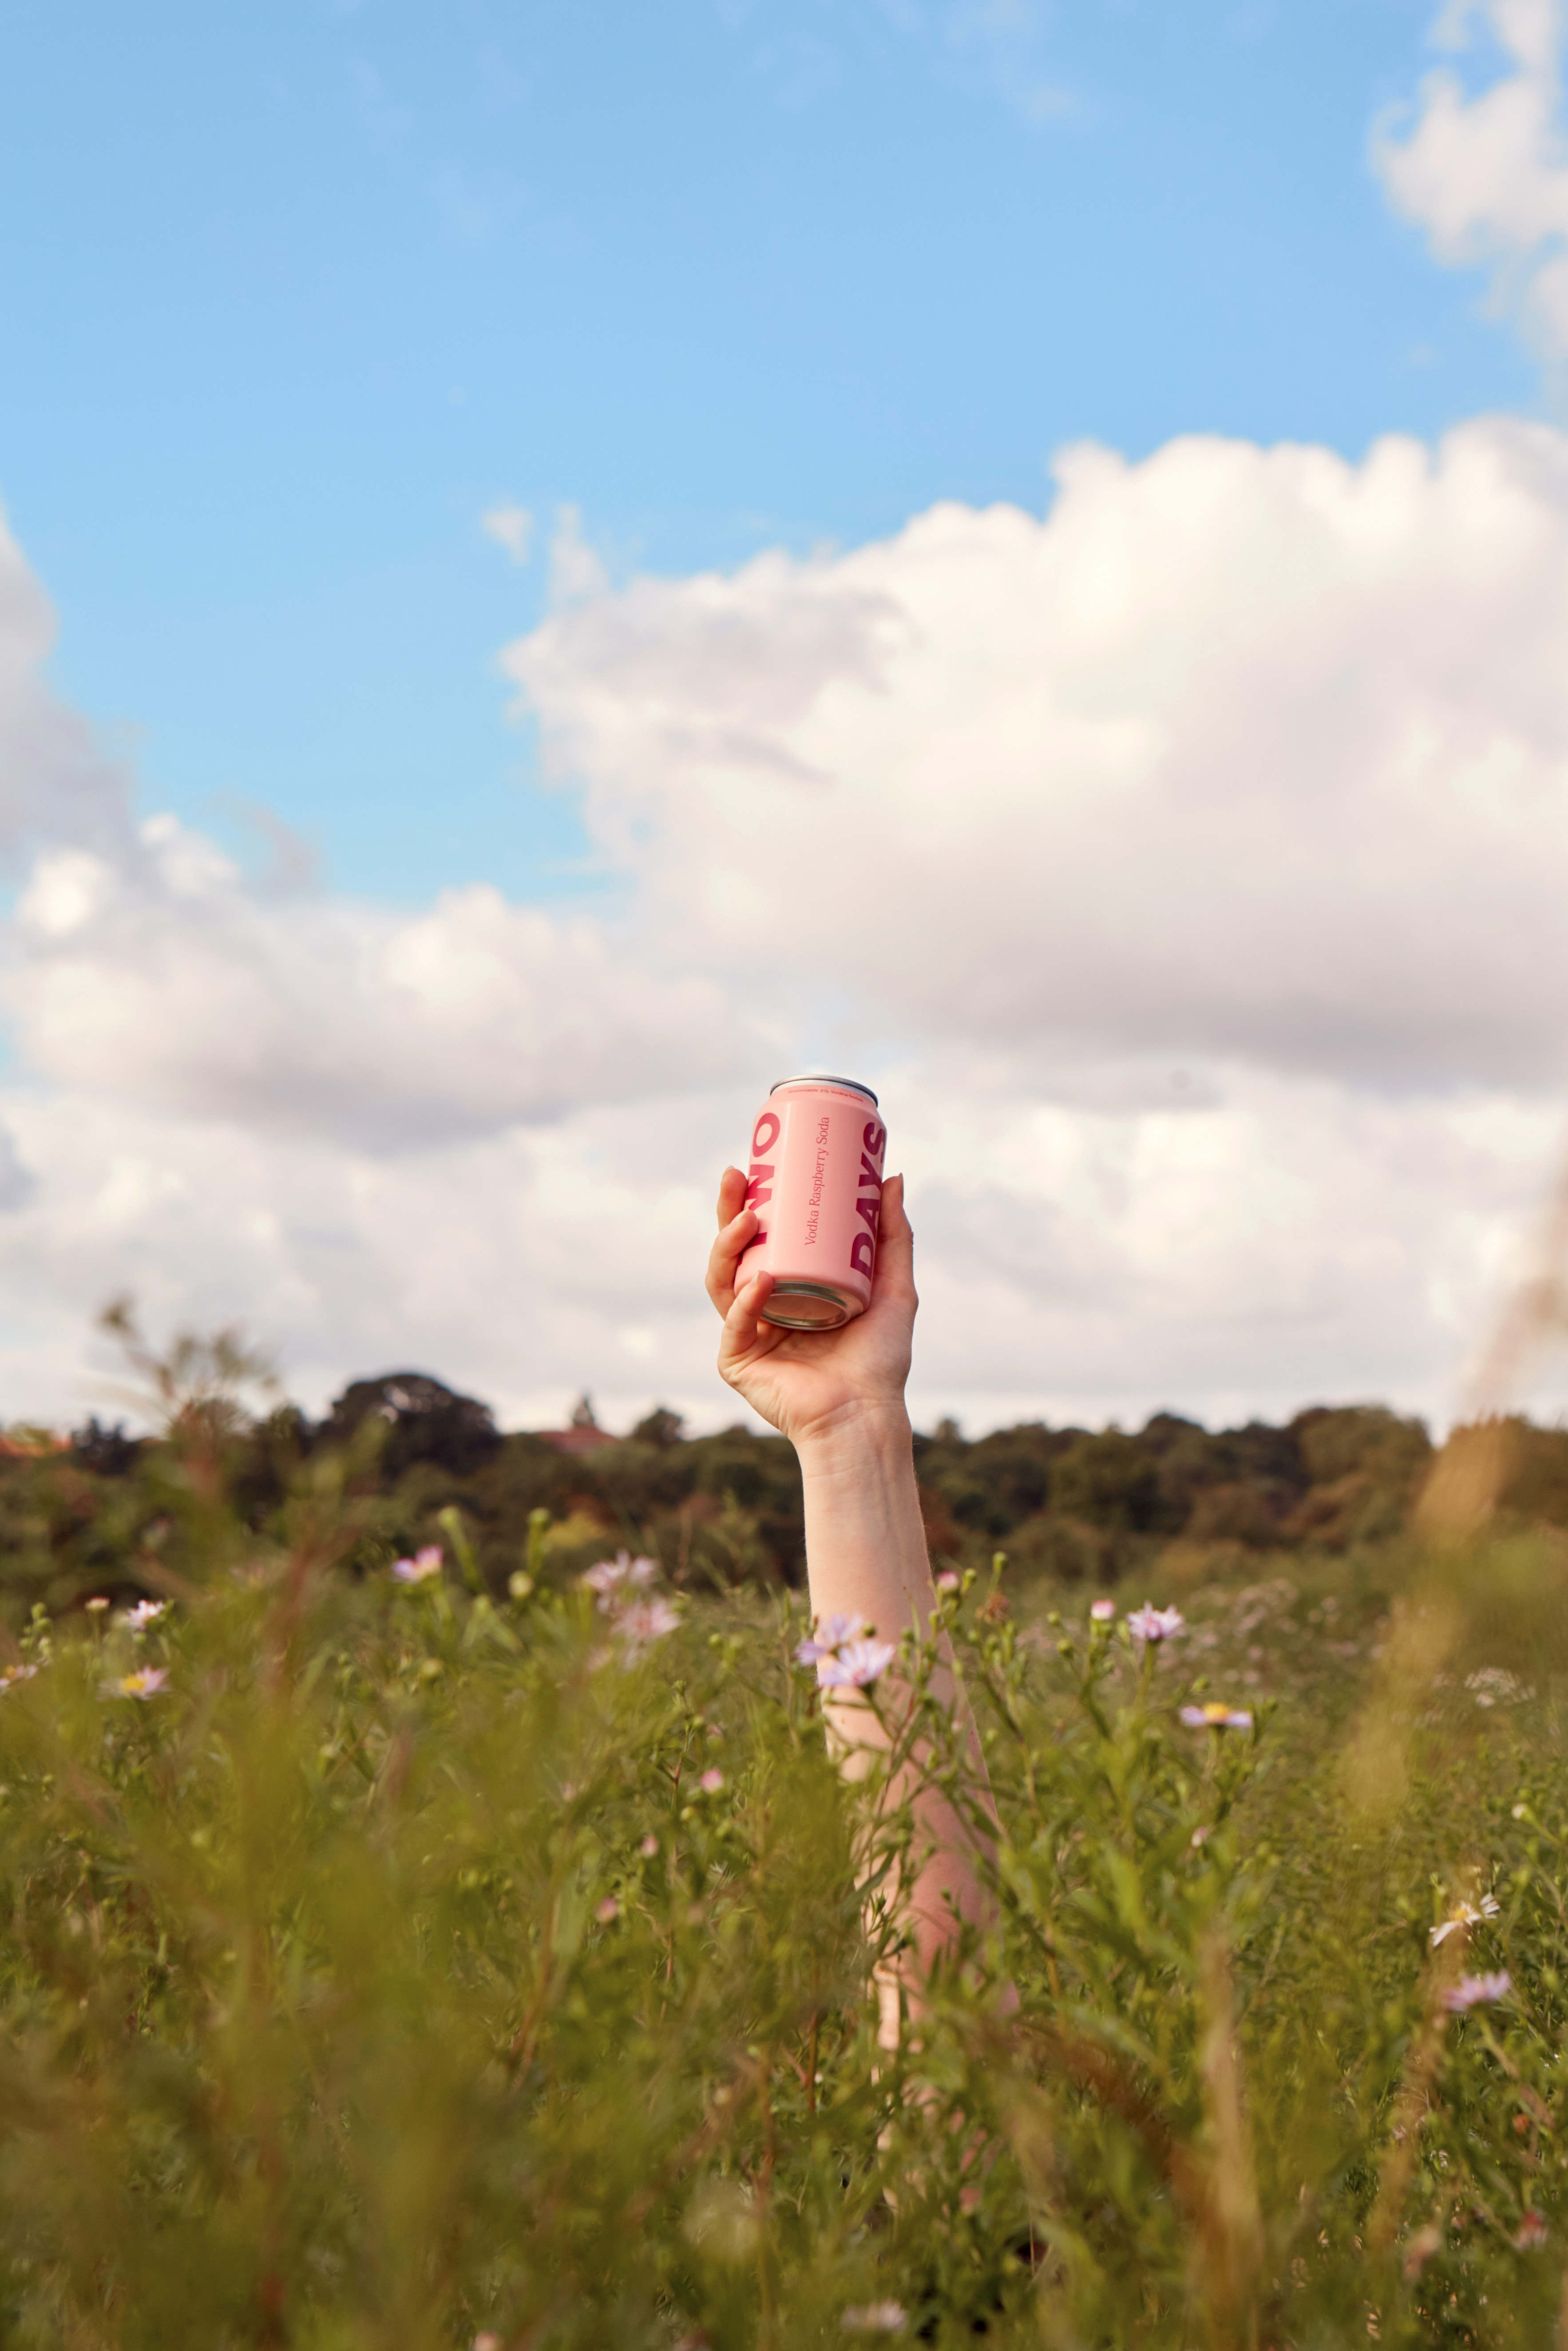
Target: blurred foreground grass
x=410 y=1962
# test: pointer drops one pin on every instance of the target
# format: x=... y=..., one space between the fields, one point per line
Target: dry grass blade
x=1231 y=2241
x=1535 y=1314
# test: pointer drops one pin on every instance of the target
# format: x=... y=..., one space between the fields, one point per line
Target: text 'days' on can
x=815 y=1180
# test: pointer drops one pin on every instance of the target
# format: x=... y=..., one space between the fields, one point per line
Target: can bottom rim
x=809 y=1306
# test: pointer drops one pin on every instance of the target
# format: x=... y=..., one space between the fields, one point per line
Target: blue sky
x=290 y=296
x=1047 y=577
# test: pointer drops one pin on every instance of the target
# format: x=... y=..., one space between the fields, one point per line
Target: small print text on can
x=815 y=1174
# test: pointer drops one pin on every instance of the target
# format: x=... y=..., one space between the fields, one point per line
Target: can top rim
x=821 y=1078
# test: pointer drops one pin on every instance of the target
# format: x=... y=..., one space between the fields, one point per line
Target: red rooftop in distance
x=584 y=1436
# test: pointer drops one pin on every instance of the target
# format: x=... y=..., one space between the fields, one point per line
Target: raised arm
x=838 y=1395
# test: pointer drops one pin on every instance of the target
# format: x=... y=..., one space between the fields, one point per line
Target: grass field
x=387 y=1959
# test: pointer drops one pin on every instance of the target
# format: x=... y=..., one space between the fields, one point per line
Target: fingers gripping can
x=815 y=1181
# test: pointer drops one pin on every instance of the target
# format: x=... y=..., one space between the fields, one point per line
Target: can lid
x=821 y=1078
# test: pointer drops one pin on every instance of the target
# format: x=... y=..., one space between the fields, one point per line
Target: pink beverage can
x=815 y=1181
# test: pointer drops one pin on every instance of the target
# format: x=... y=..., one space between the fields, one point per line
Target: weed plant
x=388 y=1965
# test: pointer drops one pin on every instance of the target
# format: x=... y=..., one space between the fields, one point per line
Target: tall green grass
x=389 y=1964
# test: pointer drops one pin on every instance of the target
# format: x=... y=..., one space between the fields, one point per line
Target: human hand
x=807 y=1384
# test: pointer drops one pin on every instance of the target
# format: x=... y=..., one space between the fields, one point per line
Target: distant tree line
x=85 y=1514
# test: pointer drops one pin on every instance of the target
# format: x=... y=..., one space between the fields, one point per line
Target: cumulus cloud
x=1277 y=1243
x=1185 y=865
x=55 y=782
x=1276 y=1239
x=525 y=1264
x=1485 y=171
x=141 y=967
x=1250 y=754
x=168 y=982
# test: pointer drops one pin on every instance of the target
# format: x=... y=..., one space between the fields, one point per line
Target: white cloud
x=1485 y=171
x=512 y=1263
x=577 y=571
x=54 y=781
x=1286 y=1242
x=1185 y=866
x=1284 y=1239
x=1255 y=755
x=511 y=527
x=170 y=984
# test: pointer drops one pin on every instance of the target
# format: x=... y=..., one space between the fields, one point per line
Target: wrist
x=855 y=1437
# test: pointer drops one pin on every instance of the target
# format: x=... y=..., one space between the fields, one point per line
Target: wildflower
x=1154 y=1625
x=419 y=1568
x=857 y=1664
x=844 y=1655
x=145 y=1684
x=874 y=2318
x=96 y=1603
x=1101 y=1611
x=1471 y=1991
x=486 y=2342
x=827 y=1636
x=1519 y=1812
x=145 y=1612
x=1215 y=1716
x=1531 y=2232
x=609 y=1576
x=1493 y=1686
x=607 y=1911
x=947 y=1581
x=711 y=1782
x=649 y=1847
x=1465 y=1914
x=646 y=1621
x=13 y=1674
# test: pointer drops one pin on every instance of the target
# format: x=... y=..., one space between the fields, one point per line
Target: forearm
x=866 y=1557
x=866 y=1542
x=839 y=1396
